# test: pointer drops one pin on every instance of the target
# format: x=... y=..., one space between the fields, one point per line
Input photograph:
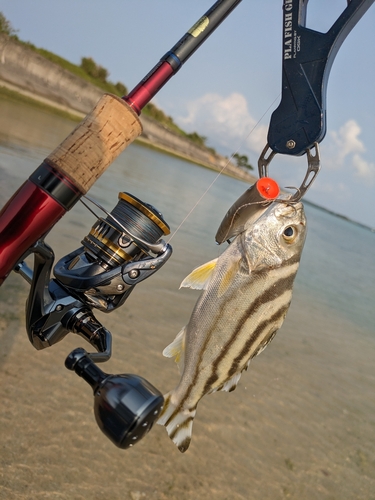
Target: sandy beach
x=300 y=425
x=255 y=443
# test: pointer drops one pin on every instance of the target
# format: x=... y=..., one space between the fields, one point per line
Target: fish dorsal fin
x=228 y=277
x=199 y=278
x=176 y=349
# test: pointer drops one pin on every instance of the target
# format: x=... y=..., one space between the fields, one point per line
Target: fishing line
x=222 y=170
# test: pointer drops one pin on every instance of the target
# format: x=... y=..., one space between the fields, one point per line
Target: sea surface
x=301 y=423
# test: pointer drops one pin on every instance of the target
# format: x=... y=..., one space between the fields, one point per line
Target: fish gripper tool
x=299 y=123
x=307 y=57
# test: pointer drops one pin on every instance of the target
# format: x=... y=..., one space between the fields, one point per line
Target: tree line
x=98 y=75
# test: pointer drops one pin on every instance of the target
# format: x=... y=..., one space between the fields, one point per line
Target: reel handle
x=125 y=406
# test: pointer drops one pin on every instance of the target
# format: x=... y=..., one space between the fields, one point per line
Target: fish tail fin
x=178 y=423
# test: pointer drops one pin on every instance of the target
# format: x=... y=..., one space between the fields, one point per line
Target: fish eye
x=290 y=234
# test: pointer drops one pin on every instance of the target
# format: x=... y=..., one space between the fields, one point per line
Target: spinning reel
x=123 y=248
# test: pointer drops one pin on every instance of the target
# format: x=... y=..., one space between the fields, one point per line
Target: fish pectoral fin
x=178 y=423
x=176 y=349
x=199 y=278
x=228 y=277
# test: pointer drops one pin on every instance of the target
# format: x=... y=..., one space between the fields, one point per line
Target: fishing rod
x=123 y=248
x=75 y=165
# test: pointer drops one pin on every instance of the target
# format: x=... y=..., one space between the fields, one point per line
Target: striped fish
x=246 y=295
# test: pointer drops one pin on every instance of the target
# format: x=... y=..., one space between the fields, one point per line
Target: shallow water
x=300 y=424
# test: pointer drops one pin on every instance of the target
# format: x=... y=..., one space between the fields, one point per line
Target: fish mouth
x=291 y=213
x=288 y=209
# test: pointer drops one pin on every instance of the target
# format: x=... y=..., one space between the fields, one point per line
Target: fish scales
x=215 y=357
x=247 y=293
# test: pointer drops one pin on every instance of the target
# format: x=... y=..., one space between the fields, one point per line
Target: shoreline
x=11 y=91
x=35 y=77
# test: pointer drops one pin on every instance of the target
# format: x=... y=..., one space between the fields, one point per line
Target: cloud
x=332 y=188
x=345 y=150
x=364 y=168
x=346 y=140
x=229 y=126
x=226 y=121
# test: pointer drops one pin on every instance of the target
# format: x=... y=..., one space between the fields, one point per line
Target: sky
x=233 y=81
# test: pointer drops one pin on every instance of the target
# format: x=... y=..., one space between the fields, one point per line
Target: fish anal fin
x=265 y=343
x=178 y=423
x=176 y=349
x=229 y=385
x=199 y=278
x=247 y=365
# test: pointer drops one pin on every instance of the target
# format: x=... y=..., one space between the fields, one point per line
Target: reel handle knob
x=125 y=406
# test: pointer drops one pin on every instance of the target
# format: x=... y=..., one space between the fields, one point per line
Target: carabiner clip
x=313 y=167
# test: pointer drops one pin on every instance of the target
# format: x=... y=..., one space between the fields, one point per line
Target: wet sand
x=296 y=427
x=300 y=425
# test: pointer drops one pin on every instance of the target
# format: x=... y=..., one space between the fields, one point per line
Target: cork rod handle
x=96 y=142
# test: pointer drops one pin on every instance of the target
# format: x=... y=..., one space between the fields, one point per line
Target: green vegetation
x=6 y=27
x=95 y=74
x=242 y=161
x=159 y=115
x=92 y=69
x=98 y=76
x=99 y=81
x=198 y=139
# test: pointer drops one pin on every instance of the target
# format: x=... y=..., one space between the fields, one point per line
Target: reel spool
x=122 y=235
x=121 y=249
